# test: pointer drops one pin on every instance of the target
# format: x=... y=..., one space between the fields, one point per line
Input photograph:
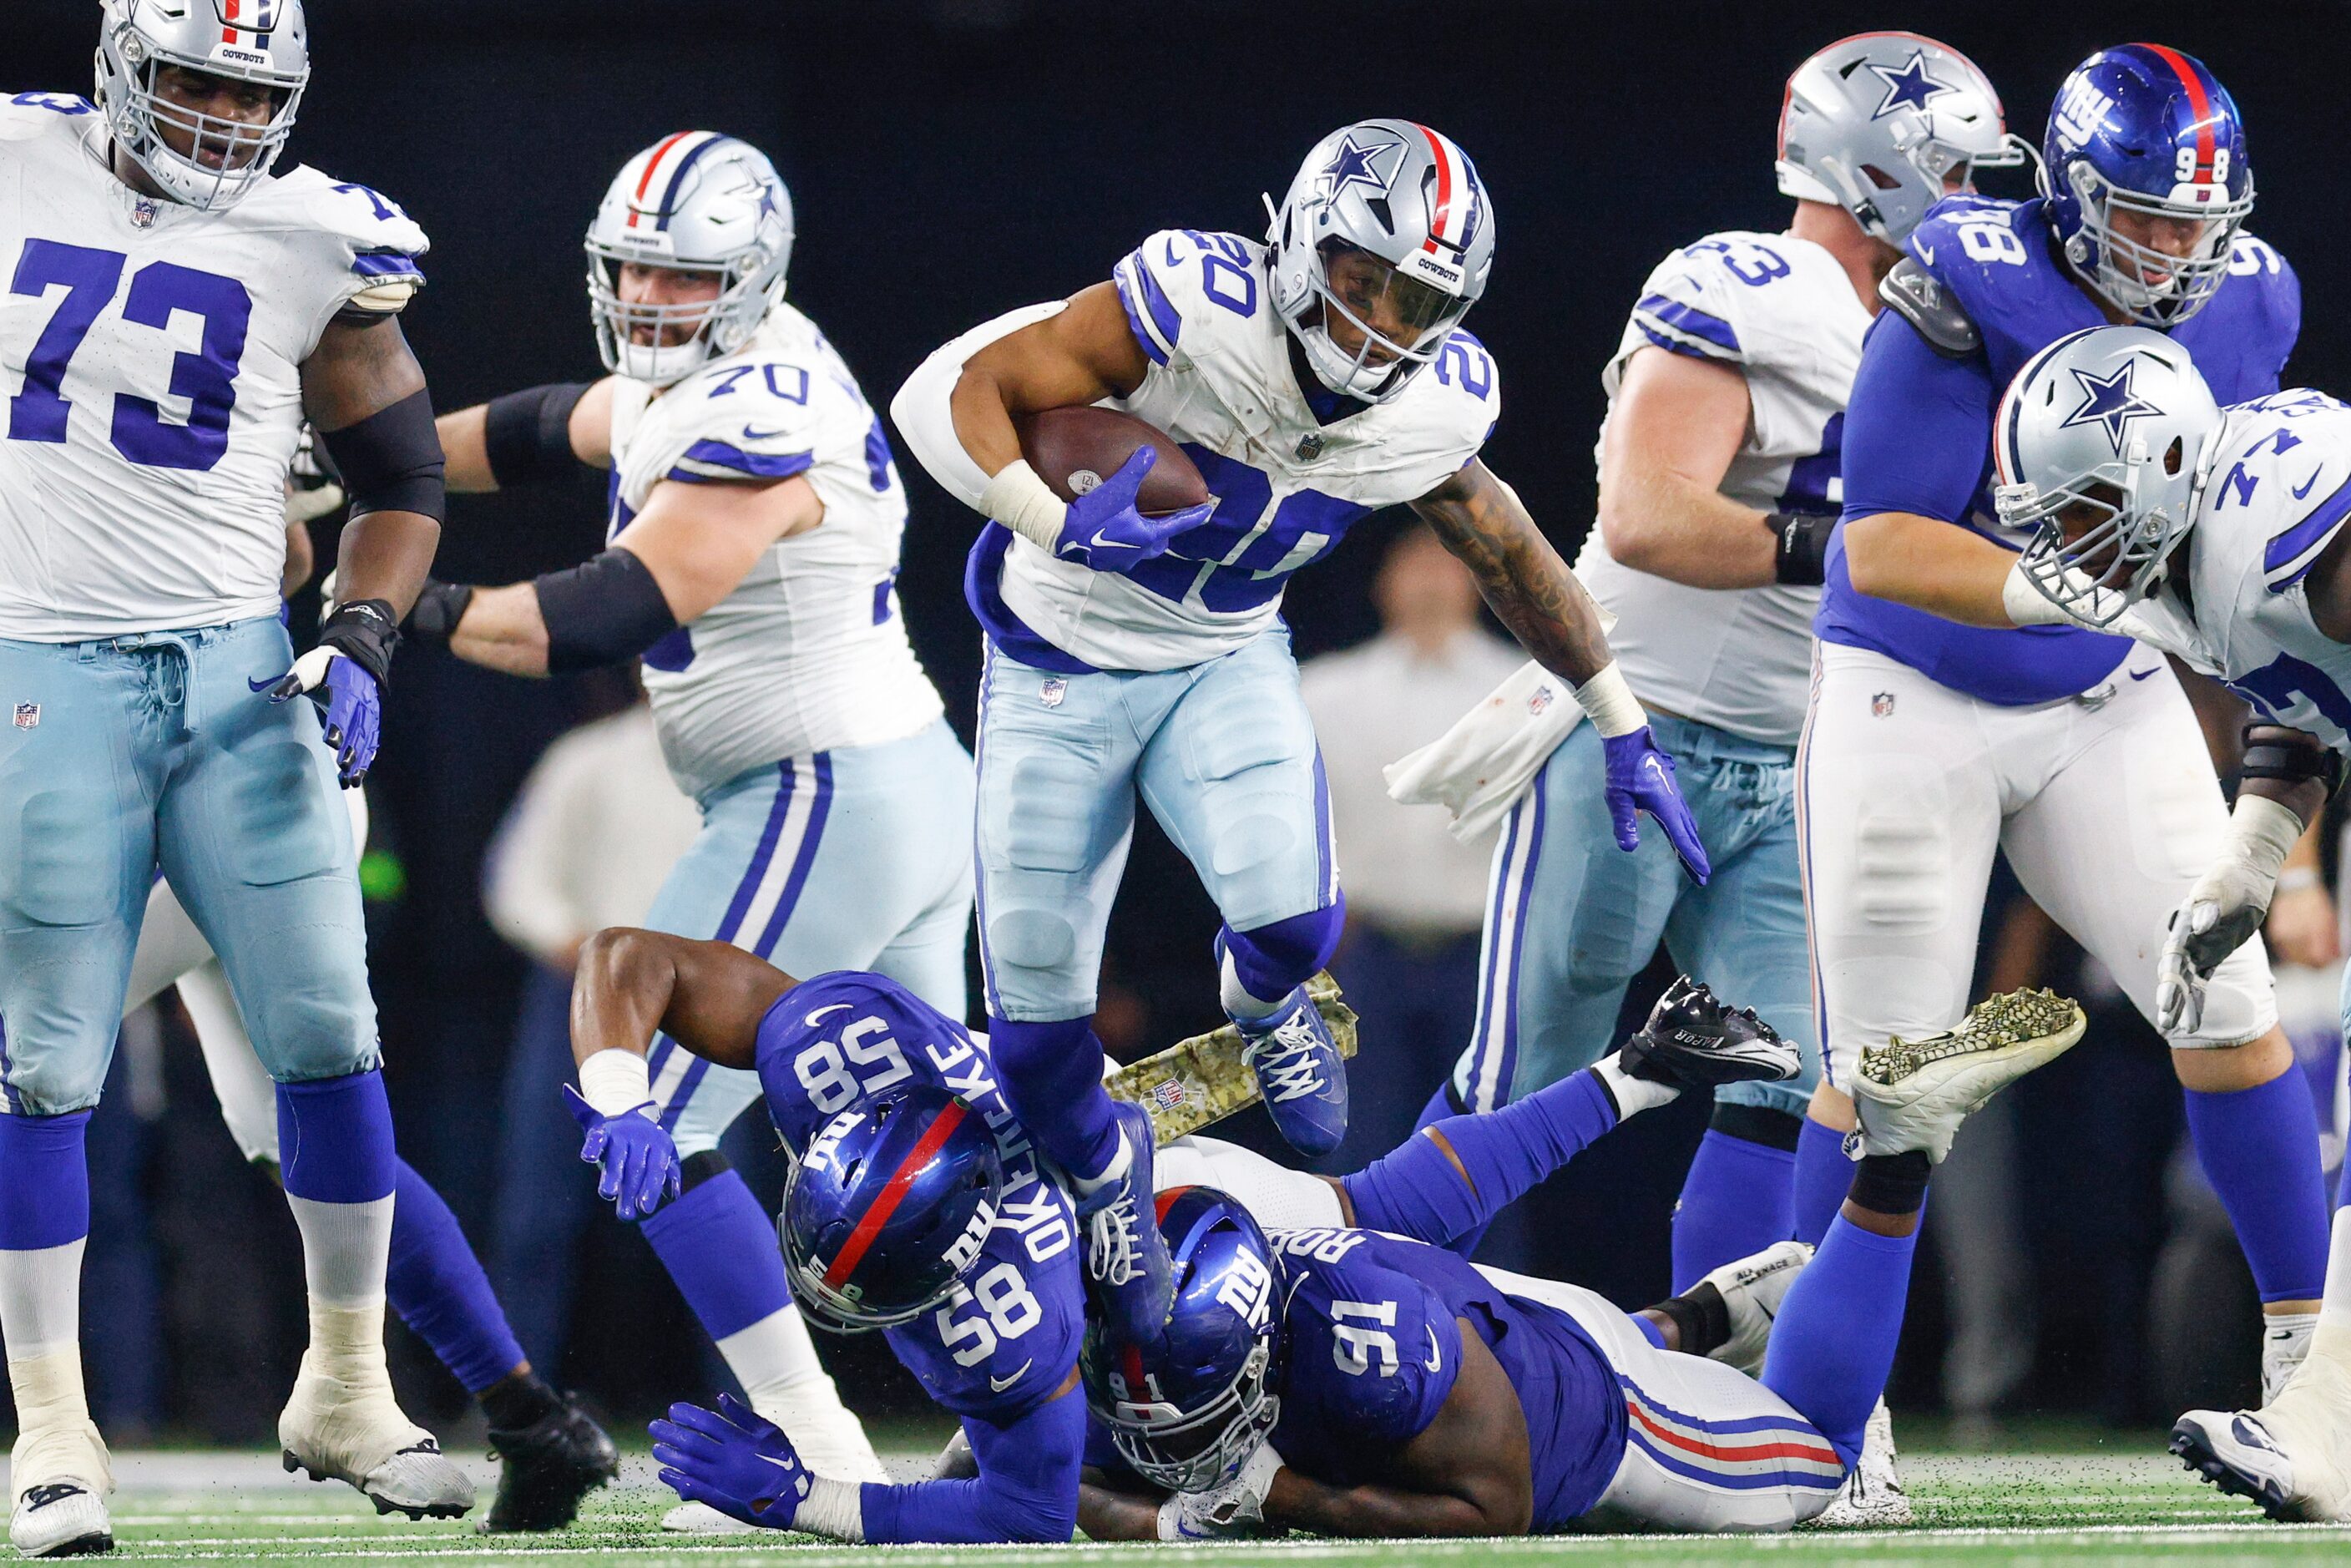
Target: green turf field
x=2117 y=1505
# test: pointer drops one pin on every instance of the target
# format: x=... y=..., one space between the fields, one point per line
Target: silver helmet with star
x=2098 y=449
x=1885 y=125
x=261 y=46
x=1383 y=244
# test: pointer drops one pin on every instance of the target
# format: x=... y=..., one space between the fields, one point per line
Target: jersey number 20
x=205 y=376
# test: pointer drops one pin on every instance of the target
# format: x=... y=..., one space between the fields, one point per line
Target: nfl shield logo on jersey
x=1882 y=705
x=1052 y=691
x=142 y=214
x=27 y=715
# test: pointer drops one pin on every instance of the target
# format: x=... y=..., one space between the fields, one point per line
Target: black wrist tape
x=1800 y=555
x=438 y=610
x=528 y=433
x=365 y=632
x=2290 y=755
x=1891 y=1184
x=1701 y=1319
x=390 y=461
x=602 y=612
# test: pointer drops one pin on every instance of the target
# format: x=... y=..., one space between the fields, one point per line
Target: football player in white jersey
x=1312 y=378
x=755 y=518
x=2218 y=536
x=175 y=310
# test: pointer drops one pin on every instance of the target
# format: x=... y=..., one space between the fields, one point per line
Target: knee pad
x=1272 y=960
x=1030 y=939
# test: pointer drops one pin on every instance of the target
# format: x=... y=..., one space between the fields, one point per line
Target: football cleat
x=1753 y=1288
x=547 y=1467
x=1300 y=1071
x=2285 y=1342
x=1872 y=1497
x=352 y=1430
x=1126 y=1258
x=60 y=1519
x=1913 y=1094
x=1693 y=1041
x=1199 y=1081
x=2291 y=1456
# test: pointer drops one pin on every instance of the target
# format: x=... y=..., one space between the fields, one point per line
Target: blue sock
x=1833 y=1344
x=436 y=1285
x=1419 y=1190
x=1822 y=1176
x=45 y=1199
x=2259 y=1148
x=1052 y=1080
x=334 y=1139
x=720 y=1247
x=1738 y=1199
x=1271 y=961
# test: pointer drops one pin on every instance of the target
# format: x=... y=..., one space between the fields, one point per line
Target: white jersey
x=151 y=354
x=2279 y=492
x=1782 y=313
x=1287 y=486
x=810 y=652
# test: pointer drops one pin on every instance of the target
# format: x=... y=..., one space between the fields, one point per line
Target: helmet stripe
x=228 y=19
x=644 y=181
x=877 y=1215
x=677 y=176
x=2199 y=102
x=1441 y=222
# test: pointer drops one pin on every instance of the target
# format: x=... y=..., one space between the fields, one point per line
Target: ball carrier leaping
x=1313 y=378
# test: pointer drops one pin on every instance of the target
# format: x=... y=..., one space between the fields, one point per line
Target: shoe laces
x=1114 y=1248
x=1287 y=1060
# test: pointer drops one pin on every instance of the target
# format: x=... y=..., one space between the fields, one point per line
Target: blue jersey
x=1375 y=1328
x=1007 y=1341
x=1918 y=436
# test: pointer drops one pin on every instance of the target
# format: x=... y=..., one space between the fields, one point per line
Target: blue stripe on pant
x=858 y=858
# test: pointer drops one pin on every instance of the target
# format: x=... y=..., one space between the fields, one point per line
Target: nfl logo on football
x=27 y=715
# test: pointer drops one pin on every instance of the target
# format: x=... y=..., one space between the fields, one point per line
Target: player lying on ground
x=1313 y=377
x=1400 y=1391
x=155 y=243
x=919 y=1206
x=2216 y=534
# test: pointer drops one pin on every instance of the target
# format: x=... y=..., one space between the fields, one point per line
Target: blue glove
x=638 y=1158
x=1104 y=531
x=1641 y=779
x=345 y=675
x=733 y=1458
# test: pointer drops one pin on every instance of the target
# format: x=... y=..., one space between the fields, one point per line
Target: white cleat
x=2285 y=1340
x=352 y=1430
x=2293 y=1456
x=1872 y=1497
x=63 y=1513
x=701 y=1518
x=1913 y=1094
x=1752 y=1288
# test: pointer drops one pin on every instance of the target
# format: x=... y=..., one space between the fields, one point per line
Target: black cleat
x=547 y=1467
x=1693 y=1041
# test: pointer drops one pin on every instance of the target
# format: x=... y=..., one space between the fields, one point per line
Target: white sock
x=40 y=1298
x=1240 y=1004
x=346 y=1247
x=776 y=1362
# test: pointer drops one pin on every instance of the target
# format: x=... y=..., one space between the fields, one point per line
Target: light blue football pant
x=130 y=754
x=853 y=859
x=1570 y=918
x=1223 y=753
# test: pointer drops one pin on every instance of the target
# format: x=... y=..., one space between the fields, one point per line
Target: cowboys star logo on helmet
x=1907 y=86
x=2109 y=401
x=1356 y=164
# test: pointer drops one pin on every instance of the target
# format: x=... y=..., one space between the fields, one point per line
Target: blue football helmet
x=889 y=1206
x=2147 y=131
x=1188 y=1412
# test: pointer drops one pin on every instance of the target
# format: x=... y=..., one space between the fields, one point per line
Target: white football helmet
x=1878 y=123
x=1410 y=202
x=266 y=42
x=693 y=202
x=2117 y=420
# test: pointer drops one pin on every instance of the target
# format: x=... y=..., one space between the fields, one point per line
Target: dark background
x=954 y=158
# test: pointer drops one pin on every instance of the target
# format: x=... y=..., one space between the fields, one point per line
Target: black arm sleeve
x=390 y=461
x=528 y=433
x=602 y=612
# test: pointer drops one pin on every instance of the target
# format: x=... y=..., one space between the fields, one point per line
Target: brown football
x=1074 y=449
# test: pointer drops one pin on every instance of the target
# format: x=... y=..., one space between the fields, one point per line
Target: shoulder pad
x=1913 y=294
x=30 y=114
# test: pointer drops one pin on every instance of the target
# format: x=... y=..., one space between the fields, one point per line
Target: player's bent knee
x=1246 y=843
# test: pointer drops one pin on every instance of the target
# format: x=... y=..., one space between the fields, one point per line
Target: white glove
x=2028 y=606
x=1234 y=1509
x=2226 y=906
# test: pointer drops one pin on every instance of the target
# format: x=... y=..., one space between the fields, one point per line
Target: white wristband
x=836 y=1508
x=614 y=1081
x=2261 y=834
x=1024 y=504
x=1613 y=708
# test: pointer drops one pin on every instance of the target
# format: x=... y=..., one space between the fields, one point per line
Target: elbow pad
x=924 y=409
x=390 y=461
x=527 y=434
x=602 y=612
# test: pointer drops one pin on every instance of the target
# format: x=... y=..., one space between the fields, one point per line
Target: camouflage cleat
x=1199 y=1081
x=1913 y=1094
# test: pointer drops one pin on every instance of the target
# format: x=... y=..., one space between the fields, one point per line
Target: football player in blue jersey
x=919 y=1206
x=1931 y=743
x=1400 y=1391
x=1313 y=378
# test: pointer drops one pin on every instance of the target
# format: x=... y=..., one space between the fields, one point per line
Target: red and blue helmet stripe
x=672 y=160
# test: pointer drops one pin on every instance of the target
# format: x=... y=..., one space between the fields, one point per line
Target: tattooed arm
x=1481 y=520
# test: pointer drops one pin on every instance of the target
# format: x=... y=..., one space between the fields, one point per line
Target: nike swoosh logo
x=1926 y=253
x=2142 y=674
x=1101 y=542
x=2306 y=484
x=1436 y=1361
x=822 y=1013
x=999 y=1384
x=751 y=435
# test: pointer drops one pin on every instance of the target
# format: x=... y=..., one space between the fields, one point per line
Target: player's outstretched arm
x=536 y=433
x=709 y=997
x=1671 y=433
